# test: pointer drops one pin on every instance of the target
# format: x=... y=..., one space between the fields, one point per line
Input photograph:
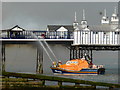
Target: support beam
x=3 y=57
x=73 y=54
x=81 y=53
x=91 y=56
x=39 y=68
x=70 y=53
x=77 y=52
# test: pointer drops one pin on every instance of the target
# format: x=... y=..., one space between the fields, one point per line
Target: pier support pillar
x=3 y=57
x=39 y=68
x=0 y=57
x=77 y=52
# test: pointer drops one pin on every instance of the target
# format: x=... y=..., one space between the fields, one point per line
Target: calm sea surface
x=111 y=76
x=108 y=59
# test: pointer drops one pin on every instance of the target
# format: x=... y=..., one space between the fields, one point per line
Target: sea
x=108 y=58
x=110 y=76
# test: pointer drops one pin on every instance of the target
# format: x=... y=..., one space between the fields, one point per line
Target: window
x=95 y=32
x=117 y=32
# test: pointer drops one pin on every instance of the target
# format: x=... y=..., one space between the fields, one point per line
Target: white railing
x=96 y=37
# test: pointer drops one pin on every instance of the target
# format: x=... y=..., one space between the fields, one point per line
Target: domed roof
x=114 y=15
x=104 y=17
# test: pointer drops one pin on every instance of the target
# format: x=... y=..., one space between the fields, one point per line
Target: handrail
x=59 y=79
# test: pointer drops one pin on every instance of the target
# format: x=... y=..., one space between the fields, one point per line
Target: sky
x=37 y=15
x=59 y=0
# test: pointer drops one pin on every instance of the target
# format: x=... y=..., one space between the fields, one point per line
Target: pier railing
x=60 y=80
x=80 y=37
x=39 y=34
x=97 y=37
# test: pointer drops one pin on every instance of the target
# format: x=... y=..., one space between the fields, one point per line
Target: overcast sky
x=60 y=0
x=37 y=15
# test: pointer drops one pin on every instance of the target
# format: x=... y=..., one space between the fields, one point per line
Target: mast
x=115 y=10
x=105 y=13
x=75 y=17
x=83 y=14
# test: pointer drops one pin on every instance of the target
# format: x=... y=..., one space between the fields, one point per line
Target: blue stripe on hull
x=84 y=71
x=89 y=70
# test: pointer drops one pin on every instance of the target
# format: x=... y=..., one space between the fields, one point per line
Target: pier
x=79 y=42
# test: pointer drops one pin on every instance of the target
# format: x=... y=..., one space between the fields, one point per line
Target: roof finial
x=75 y=17
x=115 y=10
x=83 y=14
x=105 y=13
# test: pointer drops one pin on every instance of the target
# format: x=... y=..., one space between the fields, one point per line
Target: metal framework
x=85 y=51
x=39 y=65
x=3 y=57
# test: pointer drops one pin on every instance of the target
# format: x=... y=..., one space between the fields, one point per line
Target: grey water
x=108 y=58
x=111 y=76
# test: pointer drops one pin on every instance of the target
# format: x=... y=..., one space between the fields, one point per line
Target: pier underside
x=80 y=51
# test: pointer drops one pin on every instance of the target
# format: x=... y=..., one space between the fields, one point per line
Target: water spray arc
x=41 y=43
x=50 y=49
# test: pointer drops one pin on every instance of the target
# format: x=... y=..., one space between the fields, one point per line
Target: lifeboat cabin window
x=71 y=62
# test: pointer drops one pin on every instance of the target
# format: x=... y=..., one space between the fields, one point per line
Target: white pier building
x=106 y=33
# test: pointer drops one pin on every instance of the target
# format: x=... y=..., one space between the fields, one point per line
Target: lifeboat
x=77 y=67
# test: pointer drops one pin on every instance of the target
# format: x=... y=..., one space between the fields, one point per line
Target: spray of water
x=50 y=49
x=40 y=42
